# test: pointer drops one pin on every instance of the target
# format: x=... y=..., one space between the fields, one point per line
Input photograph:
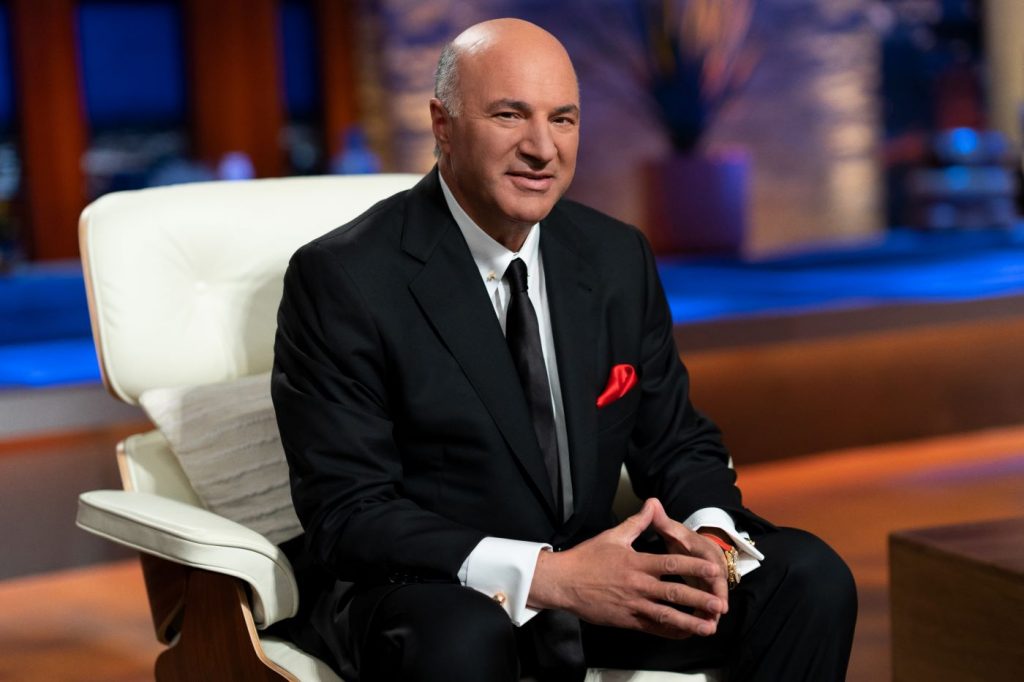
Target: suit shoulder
x=600 y=232
x=380 y=223
x=600 y=227
x=364 y=253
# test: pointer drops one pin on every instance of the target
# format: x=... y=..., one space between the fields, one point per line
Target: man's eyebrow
x=521 y=106
x=517 y=105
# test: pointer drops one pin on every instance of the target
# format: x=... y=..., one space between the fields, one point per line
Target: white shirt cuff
x=747 y=556
x=503 y=570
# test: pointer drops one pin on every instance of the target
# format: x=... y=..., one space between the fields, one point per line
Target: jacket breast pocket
x=619 y=414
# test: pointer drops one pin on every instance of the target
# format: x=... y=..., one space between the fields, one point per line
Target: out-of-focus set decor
x=697 y=199
x=972 y=182
x=743 y=127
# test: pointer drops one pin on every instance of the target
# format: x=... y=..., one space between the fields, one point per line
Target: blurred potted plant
x=697 y=199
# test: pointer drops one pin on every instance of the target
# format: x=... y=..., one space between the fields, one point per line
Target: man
x=460 y=374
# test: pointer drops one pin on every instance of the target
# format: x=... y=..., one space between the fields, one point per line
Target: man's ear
x=440 y=123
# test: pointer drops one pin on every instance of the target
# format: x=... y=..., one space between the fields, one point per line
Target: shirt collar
x=491 y=257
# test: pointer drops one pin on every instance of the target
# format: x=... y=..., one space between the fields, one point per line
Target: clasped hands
x=607 y=582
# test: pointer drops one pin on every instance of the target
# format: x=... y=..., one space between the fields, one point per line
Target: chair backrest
x=184 y=281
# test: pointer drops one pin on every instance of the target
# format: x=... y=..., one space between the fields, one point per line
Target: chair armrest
x=198 y=538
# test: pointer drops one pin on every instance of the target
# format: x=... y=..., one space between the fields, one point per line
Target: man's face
x=509 y=153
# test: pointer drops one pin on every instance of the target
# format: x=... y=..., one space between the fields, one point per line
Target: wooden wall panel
x=51 y=123
x=236 y=100
x=336 y=42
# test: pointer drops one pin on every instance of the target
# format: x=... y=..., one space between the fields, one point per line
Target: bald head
x=506 y=123
x=514 y=31
x=504 y=34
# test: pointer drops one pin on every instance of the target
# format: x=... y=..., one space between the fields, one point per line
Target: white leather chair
x=183 y=285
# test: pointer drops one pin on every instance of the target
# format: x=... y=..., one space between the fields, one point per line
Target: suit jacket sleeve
x=676 y=454
x=330 y=392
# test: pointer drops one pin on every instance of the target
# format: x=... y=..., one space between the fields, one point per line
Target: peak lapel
x=451 y=295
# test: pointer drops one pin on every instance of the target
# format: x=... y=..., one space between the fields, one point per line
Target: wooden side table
x=957 y=597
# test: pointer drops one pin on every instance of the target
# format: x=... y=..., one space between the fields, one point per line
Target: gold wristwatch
x=732 y=576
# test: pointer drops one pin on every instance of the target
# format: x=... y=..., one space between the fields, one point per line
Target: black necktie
x=556 y=634
x=523 y=336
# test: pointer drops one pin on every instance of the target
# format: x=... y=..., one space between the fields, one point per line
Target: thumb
x=660 y=518
x=639 y=522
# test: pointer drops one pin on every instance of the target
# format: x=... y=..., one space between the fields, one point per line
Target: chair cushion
x=225 y=437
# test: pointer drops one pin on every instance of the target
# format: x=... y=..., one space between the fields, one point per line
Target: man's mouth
x=533 y=182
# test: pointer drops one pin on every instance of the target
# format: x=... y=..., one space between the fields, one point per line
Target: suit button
x=499 y=598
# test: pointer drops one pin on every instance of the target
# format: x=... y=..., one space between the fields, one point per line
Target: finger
x=706 y=604
x=657 y=508
x=682 y=539
x=677 y=536
x=720 y=588
x=706 y=548
x=710 y=575
x=697 y=594
x=636 y=524
x=717 y=584
x=708 y=616
x=683 y=565
x=663 y=523
x=666 y=621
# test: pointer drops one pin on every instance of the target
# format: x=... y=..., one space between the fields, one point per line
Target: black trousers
x=791 y=619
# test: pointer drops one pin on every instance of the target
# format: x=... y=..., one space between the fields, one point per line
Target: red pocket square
x=621 y=379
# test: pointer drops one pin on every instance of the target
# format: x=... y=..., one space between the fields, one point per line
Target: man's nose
x=538 y=143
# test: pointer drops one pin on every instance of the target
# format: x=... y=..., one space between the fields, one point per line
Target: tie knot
x=516 y=275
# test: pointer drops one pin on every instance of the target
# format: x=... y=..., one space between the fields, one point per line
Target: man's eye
x=508 y=115
x=565 y=121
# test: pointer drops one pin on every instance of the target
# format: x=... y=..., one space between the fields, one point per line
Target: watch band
x=732 y=575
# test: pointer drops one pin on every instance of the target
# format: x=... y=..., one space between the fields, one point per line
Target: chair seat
x=609 y=675
x=296 y=661
x=310 y=669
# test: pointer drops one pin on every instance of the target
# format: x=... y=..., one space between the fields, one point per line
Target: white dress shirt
x=500 y=566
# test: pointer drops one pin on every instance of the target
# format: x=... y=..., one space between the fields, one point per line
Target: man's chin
x=533 y=208
x=531 y=217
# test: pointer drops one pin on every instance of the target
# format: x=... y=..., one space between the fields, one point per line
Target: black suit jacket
x=406 y=430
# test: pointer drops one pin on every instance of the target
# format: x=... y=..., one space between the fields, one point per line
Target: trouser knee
x=796 y=612
x=820 y=581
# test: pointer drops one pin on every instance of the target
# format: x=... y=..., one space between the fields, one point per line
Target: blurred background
x=833 y=188
x=884 y=133
x=820 y=113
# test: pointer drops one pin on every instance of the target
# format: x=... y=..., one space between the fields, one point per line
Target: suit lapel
x=573 y=301
x=449 y=291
